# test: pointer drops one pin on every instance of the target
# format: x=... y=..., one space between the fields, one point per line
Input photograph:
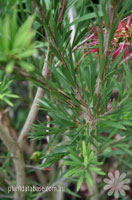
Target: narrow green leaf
x=89 y=179
x=67 y=190
x=70 y=172
x=80 y=181
x=86 y=17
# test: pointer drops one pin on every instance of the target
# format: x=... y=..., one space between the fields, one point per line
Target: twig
x=33 y=167
x=93 y=190
x=62 y=11
x=71 y=15
x=81 y=43
x=18 y=160
x=34 y=108
x=98 y=82
x=125 y=59
x=74 y=49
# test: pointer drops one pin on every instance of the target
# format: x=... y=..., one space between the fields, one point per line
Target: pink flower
x=94 y=50
x=120 y=49
x=121 y=40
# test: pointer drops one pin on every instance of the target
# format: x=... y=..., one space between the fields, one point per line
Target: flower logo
x=116 y=184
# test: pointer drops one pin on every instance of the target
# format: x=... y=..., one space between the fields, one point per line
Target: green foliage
x=5 y=93
x=73 y=98
x=86 y=125
x=82 y=164
x=15 y=42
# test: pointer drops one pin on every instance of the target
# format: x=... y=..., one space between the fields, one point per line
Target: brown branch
x=62 y=11
x=18 y=160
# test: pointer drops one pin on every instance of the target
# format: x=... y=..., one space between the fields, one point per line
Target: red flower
x=121 y=39
x=94 y=50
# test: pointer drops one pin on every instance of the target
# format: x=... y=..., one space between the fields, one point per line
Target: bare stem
x=35 y=106
x=93 y=190
x=62 y=11
x=125 y=59
x=17 y=156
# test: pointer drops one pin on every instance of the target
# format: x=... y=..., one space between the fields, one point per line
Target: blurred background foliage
x=21 y=61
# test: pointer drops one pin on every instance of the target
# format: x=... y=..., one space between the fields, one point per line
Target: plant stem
x=17 y=156
x=93 y=190
x=34 y=108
